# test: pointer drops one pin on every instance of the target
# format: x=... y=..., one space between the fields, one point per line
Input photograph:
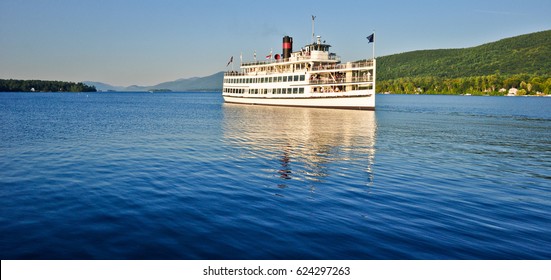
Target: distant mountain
x=103 y=86
x=208 y=83
x=529 y=54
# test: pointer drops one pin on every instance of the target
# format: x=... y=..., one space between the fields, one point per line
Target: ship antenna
x=313 y=34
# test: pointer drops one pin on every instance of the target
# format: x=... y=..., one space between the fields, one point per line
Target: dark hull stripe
x=305 y=106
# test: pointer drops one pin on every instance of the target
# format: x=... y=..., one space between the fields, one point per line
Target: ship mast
x=313 y=34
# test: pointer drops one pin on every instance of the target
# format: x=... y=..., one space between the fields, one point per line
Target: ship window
x=278 y=91
x=301 y=90
x=301 y=77
x=270 y=79
x=285 y=78
x=295 y=90
x=279 y=79
x=295 y=78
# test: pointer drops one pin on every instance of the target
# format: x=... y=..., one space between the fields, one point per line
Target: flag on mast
x=229 y=62
x=371 y=38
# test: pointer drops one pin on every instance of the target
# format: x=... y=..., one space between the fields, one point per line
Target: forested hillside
x=522 y=62
x=46 y=86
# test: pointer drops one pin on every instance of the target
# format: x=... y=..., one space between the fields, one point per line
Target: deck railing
x=349 y=65
x=343 y=80
x=234 y=74
x=330 y=57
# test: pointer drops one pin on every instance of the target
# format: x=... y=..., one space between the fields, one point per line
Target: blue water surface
x=185 y=176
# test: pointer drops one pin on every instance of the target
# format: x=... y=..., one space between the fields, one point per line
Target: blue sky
x=125 y=42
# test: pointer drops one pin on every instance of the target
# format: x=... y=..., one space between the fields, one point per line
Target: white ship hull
x=364 y=100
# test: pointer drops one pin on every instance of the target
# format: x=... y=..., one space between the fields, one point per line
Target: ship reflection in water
x=307 y=146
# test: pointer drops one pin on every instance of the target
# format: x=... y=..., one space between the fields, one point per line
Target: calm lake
x=185 y=176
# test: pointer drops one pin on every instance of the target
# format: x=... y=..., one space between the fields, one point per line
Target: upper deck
x=279 y=67
x=316 y=56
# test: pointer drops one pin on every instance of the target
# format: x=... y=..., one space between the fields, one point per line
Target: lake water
x=184 y=176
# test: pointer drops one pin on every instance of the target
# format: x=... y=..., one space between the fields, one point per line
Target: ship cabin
x=311 y=70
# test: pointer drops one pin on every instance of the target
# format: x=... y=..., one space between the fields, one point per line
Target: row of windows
x=279 y=79
x=264 y=90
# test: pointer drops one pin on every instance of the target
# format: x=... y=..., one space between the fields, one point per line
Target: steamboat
x=309 y=77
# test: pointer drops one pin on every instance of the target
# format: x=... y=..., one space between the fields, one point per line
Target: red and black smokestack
x=287 y=47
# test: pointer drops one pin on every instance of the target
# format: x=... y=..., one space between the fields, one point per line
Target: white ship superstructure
x=310 y=77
